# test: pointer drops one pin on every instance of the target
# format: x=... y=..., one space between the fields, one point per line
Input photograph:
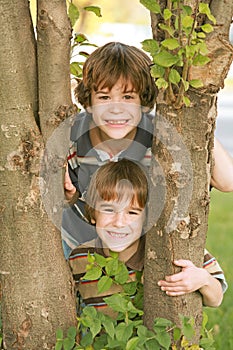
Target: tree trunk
x=36 y=282
x=182 y=148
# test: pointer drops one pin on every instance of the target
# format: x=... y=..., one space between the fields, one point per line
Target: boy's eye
x=128 y=97
x=103 y=97
x=106 y=209
x=134 y=212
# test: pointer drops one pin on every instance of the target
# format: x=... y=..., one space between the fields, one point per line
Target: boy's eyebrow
x=107 y=92
x=104 y=204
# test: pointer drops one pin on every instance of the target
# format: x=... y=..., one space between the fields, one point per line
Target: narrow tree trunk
x=182 y=164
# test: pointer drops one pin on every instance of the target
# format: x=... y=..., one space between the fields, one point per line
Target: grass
x=220 y=244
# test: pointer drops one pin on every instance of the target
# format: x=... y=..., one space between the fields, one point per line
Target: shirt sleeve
x=213 y=267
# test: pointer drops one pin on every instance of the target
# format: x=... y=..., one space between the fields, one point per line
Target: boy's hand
x=69 y=188
x=190 y=279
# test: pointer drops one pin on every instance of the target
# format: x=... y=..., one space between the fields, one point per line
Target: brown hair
x=122 y=180
x=115 y=60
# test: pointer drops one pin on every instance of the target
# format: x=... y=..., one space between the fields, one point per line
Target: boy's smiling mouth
x=118 y=235
x=117 y=122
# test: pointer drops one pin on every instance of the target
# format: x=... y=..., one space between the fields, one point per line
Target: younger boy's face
x=116 y=112
x=118 y=224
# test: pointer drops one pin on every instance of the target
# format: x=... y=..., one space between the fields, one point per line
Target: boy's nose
x=116 y=107
x=119 y=219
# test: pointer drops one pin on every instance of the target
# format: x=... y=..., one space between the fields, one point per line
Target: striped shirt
x=87 y=291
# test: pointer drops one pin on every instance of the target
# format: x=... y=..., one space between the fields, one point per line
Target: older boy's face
x=118 y=224
x=116 y=112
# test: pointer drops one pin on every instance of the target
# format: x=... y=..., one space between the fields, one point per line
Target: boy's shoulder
x=81 y=125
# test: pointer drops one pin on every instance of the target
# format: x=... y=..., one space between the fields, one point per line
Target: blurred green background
x=220 y=244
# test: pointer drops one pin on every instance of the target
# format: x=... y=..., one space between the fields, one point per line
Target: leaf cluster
x=98 y=331
x=184 y=46
x=79 y=40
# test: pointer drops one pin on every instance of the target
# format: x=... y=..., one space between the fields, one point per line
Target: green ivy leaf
x=168 y=29
x=114 y=255
x=73 y=13
x=201 y=35
x=187 y=9
x=104 y=284
x=151 y=5
x=117 y=303
x=112 y=267
x=174 y=76
x=162 y=322
x=186 y=85
x=152 y=344
x=204 y=8
x=100 y=259
x=132 y=343
x=95 y=9
x=167 y=14
x=109 y=327
x=80 y=38
x=76 y=69
x=124 y=331
x=144 y=332
x=203 y=50
x=187 y=21
x=207 y=28
x=157 y=71
x=200 y=60
x=164 y=339
x=59 y=334
x=196 y=83
x=59 y=345
x=68 y=343
x=90 y=311
x=95 y=327
x=150 y=45
x=176 y=333
x=130 y=288
x=93 y=274
x=161 y=83
x=165 y=59
x=170 y=43
x=122 y=274
x=186 y=101
x=71 y=333
x=188 y=330
x=90 y=257
x=87 y=339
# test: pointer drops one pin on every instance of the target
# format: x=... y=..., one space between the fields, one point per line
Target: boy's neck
x=126 y=254
x=101 y=141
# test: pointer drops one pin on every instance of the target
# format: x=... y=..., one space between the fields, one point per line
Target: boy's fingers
x=183 y=263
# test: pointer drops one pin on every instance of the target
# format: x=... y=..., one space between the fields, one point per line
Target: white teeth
x=117 y=121
x=117 y=235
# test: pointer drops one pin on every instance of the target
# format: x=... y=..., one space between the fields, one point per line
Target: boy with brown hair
x=117 y=92
x=116 y=204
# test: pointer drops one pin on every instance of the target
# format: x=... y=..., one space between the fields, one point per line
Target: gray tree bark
x=37 y=287
x=182 y=149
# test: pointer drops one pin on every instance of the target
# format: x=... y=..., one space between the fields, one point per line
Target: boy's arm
x=191 y=279
x=222 y=176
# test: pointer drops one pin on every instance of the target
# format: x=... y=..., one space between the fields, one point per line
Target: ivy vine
x=184 y=46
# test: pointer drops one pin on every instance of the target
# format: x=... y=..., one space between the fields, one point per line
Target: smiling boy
x=116 y=205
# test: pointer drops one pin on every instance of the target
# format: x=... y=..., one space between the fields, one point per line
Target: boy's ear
x=93 y=221
x=89 y=109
